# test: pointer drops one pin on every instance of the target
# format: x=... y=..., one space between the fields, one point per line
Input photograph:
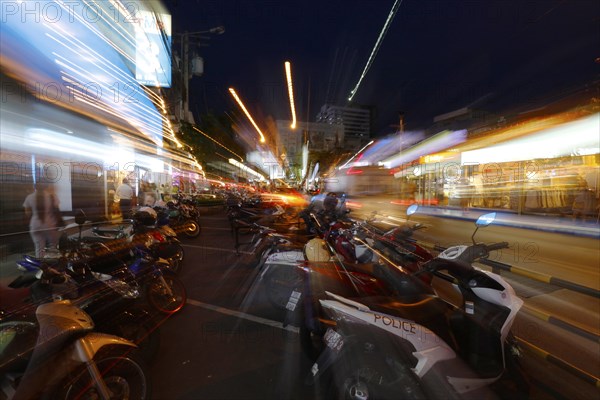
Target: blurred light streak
x=353 y=171
x=91 y=53
x=436 y=143
x=235 y=96
x=408 y=202
x=288 y=74
x=246 y=168
x=388 y=21
x=353 y=204
x=572 y=138
x=220 y=144
x=357 y=153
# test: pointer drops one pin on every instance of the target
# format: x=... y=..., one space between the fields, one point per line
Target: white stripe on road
x=243 y=315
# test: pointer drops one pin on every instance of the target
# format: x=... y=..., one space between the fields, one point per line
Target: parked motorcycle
x=165 y=244
x=163 y=290
x=112 y=300
x=421 y=347
x=161 y=287
x=396 y=245
x=184 y=218
x=57 y=355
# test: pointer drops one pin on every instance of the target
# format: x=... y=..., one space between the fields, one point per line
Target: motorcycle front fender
x=87 y=347
x=43 y=374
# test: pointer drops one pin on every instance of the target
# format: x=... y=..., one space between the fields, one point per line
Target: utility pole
x=186 y=39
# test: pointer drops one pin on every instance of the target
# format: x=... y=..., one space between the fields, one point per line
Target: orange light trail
x=235 y=96
x=288 y=74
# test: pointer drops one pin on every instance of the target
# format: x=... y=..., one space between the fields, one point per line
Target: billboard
x=153 y=49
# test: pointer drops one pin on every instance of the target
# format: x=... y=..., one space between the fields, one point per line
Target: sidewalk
x=553 y=224
x=547 y=223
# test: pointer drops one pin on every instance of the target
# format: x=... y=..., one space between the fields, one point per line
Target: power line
x=388 y=21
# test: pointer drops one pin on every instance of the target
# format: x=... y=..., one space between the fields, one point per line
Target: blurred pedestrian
x=42 y=209
x=125 y=195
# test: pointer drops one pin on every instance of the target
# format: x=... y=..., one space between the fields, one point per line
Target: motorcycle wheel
x=192 y=228
x=123 y=371
x=280 y=282
x=166 y=299
x=359 y=378
x=176 y=262
x=354 y=381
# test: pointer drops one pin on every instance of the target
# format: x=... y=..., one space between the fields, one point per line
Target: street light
x=185 y=42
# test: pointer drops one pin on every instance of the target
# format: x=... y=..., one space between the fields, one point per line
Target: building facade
x=356 y=121
x=320 y=137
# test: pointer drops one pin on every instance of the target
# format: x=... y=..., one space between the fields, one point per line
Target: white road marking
x=243 y=315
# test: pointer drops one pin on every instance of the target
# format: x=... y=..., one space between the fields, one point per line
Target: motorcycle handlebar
x=497 y=246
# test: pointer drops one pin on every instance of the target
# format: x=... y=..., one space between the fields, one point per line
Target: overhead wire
x=384 y=30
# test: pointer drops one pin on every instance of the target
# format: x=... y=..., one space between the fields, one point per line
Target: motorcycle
x=397 y=244
x=419 y=346
x=162 y=289
x=165 y=244
x=113 y=301
x=58 y=355
x=184 y=218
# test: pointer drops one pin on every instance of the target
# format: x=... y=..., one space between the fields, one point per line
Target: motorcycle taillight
x=158 y=236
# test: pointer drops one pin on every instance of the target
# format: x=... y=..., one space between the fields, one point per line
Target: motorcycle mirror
x=80 y=217
x=485 y=220
x=412 y=209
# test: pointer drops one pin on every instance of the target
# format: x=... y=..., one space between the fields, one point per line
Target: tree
x=215 y=142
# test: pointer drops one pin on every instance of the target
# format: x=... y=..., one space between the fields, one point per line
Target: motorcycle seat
x=35 y=260
x=96 y=239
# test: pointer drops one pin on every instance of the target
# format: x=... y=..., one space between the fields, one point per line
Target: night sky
x=437 y=57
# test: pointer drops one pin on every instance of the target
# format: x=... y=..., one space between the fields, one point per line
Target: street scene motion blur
x=342 y=199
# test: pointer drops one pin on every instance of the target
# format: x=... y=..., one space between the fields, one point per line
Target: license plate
x=293 y=300
x=315 y=369
x=333 y=340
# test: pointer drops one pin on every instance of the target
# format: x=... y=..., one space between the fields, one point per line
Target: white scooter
x=57 y=355
x=422 y=347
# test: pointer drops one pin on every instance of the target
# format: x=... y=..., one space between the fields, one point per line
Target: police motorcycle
x=58 y=354
x=418 y=346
